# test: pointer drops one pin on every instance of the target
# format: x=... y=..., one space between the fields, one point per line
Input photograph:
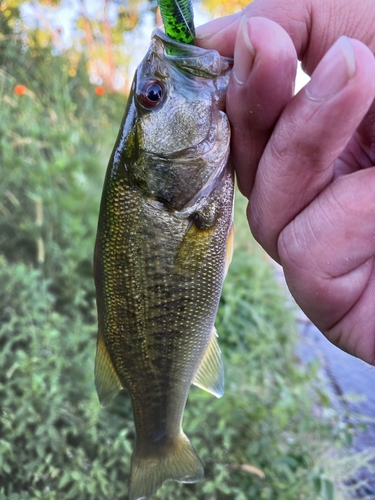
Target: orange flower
x=20 y=89
x=99 y=90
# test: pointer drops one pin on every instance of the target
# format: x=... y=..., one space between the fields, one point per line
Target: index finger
x=260 y=87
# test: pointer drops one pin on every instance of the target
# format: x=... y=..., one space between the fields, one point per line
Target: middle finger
x=315 y=127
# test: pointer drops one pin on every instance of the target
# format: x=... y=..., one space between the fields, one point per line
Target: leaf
x=327 y=489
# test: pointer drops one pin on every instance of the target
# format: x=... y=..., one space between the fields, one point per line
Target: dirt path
x=349 y=377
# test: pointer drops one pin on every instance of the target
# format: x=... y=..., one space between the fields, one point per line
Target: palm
x=328 y=253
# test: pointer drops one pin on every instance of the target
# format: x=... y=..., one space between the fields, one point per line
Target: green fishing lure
x=178 y=20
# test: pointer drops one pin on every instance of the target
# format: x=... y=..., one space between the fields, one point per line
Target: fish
x=163 y=246
x=178 y=19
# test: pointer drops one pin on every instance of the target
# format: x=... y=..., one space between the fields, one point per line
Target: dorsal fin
x=106 y=379
x=210 y=374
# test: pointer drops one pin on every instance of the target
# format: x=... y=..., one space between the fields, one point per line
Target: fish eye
x=151 y=94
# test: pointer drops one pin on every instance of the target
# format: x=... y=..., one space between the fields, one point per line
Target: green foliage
x=263 y=440
x=52 y=441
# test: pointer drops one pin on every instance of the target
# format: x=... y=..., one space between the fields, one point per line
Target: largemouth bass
x=162 y=249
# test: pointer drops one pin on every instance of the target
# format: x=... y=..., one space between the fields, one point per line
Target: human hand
x=306 y=162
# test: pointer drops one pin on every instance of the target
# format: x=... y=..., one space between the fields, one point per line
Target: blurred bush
x=263 y=440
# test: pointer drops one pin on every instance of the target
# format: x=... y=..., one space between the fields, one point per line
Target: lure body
x=178 y=20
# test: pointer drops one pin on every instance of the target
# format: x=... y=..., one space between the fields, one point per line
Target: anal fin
x=106 y=379
x=210 y=374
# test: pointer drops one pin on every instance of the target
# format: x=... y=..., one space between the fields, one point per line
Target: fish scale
x=161 y=256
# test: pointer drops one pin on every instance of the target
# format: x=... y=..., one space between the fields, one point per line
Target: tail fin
x=176 y=460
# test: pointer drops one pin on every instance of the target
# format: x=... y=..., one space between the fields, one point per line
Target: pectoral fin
x=210 y=374
x=106 y=379
x=230 y=244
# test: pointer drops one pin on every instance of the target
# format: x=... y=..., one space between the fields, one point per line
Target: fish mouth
x=199 y=62
x=193 y=59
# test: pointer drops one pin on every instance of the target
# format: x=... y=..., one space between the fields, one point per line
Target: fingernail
x=333 y=72
x=244 y=53
x=214 y=27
